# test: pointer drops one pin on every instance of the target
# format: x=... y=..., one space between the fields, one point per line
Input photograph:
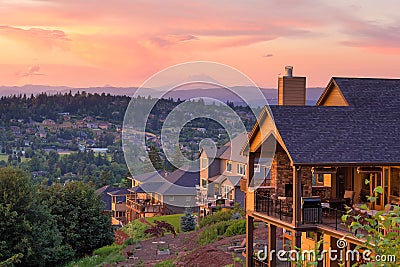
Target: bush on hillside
x=136 y=230
x=233 y=214
x=236 y=228
x=212 y=232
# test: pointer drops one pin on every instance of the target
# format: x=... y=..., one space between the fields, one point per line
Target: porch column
x=321 y=247
x=296 y=196
x=272 y=245
x=296 y=243
x=249 y=240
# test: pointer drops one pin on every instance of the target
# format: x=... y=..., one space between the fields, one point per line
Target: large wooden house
x=321 y=156
x=161 y=193
x=220 y=174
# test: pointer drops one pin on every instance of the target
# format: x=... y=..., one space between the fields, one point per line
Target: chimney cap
x=289 y=71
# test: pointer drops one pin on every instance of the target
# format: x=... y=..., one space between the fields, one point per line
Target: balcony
x=280 y=209
x=119 y=206
x=145 y=206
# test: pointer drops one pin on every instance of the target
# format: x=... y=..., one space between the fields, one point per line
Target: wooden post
x=321 y=247
x=296 y=196
x=296 y=242
x=272 y=245
x=249 y=240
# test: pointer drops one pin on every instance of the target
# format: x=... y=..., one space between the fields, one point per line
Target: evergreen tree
x=28 y=233
x=187 y=221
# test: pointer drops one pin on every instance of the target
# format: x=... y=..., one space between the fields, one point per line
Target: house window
x=171 y=198
x=257 y=168
x=188 y=198
x=203 y=163
x=241 y=169
x=228 y=192
x=204 y=183
x=229 y=166
x=321 y=179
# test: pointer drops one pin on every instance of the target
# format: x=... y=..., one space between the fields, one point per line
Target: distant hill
x=216 y=93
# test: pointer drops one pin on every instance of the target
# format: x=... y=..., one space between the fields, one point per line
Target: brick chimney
x=291 y=89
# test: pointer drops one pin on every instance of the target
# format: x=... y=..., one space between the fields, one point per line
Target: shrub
x=236 y=216
x=216 y=217
x=187 y=221
x=222 y=227
x=236 y=228
x=136 y=230
x=107 y=250
x=212 y=232
x=160 y=228
x=208 y=235
x=236 y=213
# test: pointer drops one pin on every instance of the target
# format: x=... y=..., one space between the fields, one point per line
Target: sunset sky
x=123 y=42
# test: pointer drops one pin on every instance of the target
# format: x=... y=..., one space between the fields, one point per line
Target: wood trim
x=332 y=83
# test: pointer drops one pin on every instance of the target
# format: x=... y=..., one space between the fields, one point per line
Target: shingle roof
x=231 y=150
x=369 y=91
x=106 y=197
x=367 y=131
x=179 y=182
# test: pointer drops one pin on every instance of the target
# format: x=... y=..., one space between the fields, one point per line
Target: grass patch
x=104 y=255
x=4 y=157
x=173 y=219
x=136 y=230
x=167 y=263
x=107 y=250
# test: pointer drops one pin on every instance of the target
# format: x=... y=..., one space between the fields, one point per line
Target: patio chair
x=349 y=196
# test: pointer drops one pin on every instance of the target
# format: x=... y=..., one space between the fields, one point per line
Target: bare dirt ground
x=184 y=250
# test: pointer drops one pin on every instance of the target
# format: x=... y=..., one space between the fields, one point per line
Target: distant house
x=15 y=129
x=80 y=124
x=114 y=199
x=102 y=150
x=159 y=193
x=92 y=125
x=219 y=185
x=104 y=125
x=48 y=123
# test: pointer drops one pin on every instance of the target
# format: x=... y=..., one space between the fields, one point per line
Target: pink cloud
x=36 y=36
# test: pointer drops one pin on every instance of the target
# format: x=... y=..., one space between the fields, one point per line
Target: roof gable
x=332 y=96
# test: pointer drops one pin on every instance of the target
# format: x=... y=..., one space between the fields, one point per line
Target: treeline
x=44 y=106
x=48 y=225
x=86 y=166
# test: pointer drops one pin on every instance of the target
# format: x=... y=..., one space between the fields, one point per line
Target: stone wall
x=282 y=173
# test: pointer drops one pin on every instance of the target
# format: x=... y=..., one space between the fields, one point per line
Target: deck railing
x=145 y=207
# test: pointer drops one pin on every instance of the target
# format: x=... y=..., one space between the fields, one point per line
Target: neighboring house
x=323 y=156
x=220 y=174
x=114 y=199
x=160 y=193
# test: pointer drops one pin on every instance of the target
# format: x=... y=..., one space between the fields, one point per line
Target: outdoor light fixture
x=368 y=169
